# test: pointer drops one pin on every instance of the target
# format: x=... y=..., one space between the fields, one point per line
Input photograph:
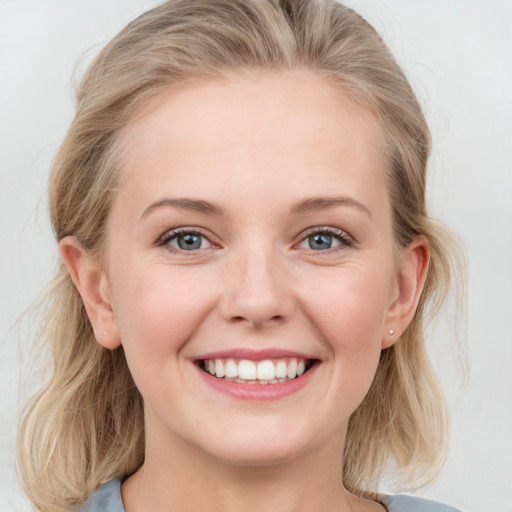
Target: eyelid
x=171 y=234
x=344 y=238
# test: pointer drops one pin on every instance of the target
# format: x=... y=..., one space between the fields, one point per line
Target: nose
x=257 y=291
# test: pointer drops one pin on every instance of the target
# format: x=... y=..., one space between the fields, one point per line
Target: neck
x=189 y=480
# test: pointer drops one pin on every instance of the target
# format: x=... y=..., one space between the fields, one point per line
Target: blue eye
x=186 y=241
x=323 y=239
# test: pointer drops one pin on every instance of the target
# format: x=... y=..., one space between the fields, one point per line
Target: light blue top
x=108 y=499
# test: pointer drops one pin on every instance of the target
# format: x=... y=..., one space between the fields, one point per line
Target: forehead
x=268 y=130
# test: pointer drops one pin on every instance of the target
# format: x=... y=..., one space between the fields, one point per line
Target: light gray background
x=458 y=54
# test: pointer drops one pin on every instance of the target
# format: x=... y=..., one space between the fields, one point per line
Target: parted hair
x=86 y=425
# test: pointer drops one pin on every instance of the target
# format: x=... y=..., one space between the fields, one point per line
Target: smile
x=266 y=371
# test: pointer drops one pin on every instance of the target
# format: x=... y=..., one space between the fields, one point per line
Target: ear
x=410 y=281
x=92 y=283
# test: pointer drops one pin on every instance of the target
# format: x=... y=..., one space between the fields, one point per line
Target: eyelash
x=344 y=239
x=169 y=236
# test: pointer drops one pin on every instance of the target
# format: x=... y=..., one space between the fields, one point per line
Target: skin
x=254 y=147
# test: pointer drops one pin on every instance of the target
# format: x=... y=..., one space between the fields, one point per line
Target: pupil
x=320 y=241
x=188 y=242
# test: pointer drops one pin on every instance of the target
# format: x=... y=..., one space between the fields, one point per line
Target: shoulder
x=107 y=498
x=402 y=503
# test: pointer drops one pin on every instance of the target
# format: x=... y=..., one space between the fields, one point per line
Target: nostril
x=258 y=321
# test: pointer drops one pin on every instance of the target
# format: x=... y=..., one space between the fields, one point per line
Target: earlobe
x=411 y=279
x=92 y=284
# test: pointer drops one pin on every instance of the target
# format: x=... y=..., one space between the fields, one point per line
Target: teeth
x=231 y=369
x=266 y=370
x=219 y=368
x=281 y=370
x=246 y=371
x=292 y=368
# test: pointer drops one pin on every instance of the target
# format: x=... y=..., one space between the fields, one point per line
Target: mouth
x=262 y=372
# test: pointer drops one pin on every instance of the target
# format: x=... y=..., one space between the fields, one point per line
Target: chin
x=268 y=447
x=257 y=456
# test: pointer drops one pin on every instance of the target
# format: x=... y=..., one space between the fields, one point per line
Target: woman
x=247 y=265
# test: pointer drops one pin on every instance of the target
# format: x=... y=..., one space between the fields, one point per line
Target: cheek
x=349 y=307
x=158 y=312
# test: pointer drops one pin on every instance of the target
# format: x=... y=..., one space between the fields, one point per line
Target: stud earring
x=391 y=332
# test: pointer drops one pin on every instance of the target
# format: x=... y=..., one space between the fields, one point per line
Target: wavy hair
x=73 y=433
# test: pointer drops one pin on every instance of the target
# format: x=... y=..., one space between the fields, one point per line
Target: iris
x=320 y=241
x=189 y=242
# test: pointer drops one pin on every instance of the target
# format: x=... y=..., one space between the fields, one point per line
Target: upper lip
x=253 y=355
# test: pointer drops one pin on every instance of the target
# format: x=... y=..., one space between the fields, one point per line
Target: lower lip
x=258 y=392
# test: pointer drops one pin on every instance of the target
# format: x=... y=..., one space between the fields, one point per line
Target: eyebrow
x=315 y=204
x=185 y=203
x=312 y=204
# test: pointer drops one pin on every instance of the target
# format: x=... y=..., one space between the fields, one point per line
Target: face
x=249 y=265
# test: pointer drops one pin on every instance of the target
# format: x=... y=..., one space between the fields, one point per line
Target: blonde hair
x=86 y=426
